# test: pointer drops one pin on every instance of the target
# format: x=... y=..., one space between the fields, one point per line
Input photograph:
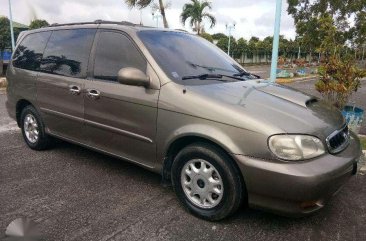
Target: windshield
x=181 y=54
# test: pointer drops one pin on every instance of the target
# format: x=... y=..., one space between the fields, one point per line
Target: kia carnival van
x=175 y=104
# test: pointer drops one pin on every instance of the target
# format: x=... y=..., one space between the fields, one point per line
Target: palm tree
x=195 y=11
x=144 y=3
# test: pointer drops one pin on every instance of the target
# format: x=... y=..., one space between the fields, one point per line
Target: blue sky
x=252 y=17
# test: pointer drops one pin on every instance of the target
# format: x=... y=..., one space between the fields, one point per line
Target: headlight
x=295 y=147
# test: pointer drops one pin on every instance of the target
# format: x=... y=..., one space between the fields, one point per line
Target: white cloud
x=252 y=18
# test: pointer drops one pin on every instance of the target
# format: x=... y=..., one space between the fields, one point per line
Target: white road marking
x=362 y=163
x=12 y=126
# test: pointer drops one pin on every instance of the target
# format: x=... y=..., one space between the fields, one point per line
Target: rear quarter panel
x=21 y=86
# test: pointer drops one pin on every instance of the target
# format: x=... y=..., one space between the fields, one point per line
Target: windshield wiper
x=203 y=76
x=247 y=74
x=209 y=68
x=210 y=76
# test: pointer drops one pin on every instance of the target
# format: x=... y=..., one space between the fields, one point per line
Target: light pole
x=11 y=27
x=229 y=27
x=156 y=16
x=299 y=54
x=276 y=41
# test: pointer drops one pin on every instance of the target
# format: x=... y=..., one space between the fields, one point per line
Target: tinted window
x=29 y=53
x=180 y=54
x=67 y=52
x=115 y=51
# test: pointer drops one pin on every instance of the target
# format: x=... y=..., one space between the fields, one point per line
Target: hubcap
x=31 y=128
x=202 y=183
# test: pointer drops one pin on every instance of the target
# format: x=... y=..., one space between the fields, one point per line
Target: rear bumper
x=298 y=188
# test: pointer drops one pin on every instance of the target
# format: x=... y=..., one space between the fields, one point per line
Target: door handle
x=93 y=94
x=75 y=90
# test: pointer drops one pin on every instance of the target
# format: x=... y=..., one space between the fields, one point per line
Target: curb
x=3 y=83
x=286 y=81
x=362 y=170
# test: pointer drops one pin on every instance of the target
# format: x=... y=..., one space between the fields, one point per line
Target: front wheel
x=206 y=181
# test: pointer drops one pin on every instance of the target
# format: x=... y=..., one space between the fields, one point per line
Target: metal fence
x=265 y=58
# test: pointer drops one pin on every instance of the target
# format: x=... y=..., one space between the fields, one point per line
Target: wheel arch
x=20 y=105
x=183 y=141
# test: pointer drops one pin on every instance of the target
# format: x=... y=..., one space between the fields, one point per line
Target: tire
x=212 y=188
x=31 y=123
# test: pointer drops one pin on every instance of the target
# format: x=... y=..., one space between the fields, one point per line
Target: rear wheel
x=33 y=129
x=206 y=181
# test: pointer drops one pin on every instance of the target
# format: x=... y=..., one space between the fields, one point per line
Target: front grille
x=338 y=140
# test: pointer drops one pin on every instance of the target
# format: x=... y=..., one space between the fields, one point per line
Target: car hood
x=265 y=107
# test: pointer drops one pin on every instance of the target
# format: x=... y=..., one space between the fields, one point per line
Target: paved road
x=77 y=194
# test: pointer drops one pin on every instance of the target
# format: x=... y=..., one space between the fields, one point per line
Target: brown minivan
x=177 y=105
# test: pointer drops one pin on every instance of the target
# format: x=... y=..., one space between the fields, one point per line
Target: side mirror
x=133 y=76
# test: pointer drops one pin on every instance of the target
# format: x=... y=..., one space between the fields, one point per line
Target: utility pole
x=299 y=54
x=156 y=16
x=141 y=24
x=276 y=41
x=229 y=27
x=11 y=27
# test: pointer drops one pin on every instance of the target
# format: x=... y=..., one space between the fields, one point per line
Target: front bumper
x=297 y=188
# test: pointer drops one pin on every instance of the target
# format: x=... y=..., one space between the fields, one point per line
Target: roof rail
x=99 y=21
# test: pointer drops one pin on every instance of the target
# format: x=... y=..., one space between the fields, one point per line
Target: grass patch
x=363 y=143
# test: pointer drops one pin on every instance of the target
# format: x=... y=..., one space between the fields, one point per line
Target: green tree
x=253 y=45
x=223 y=43
x=207 y=36
x=38 y=23
x=218 y=36
x=5 y=38
x=145 y=3
x=310 y=15
x=242 y=47
x=234 y=49
x=267 y=43
x=359 y=30
x=195 y=12
x=331 y=41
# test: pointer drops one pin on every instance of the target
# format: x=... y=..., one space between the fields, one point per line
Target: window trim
x=93 y=52
x=20 y=43
x=89 y=56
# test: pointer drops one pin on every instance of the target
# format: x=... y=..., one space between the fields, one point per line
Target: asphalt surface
x=73 y=193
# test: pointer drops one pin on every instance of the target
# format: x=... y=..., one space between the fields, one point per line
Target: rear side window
x=29 y=52
x=115 y=51
x=67 y=52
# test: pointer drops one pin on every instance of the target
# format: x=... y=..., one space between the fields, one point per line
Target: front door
x=120 y=119
x=61 y=82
